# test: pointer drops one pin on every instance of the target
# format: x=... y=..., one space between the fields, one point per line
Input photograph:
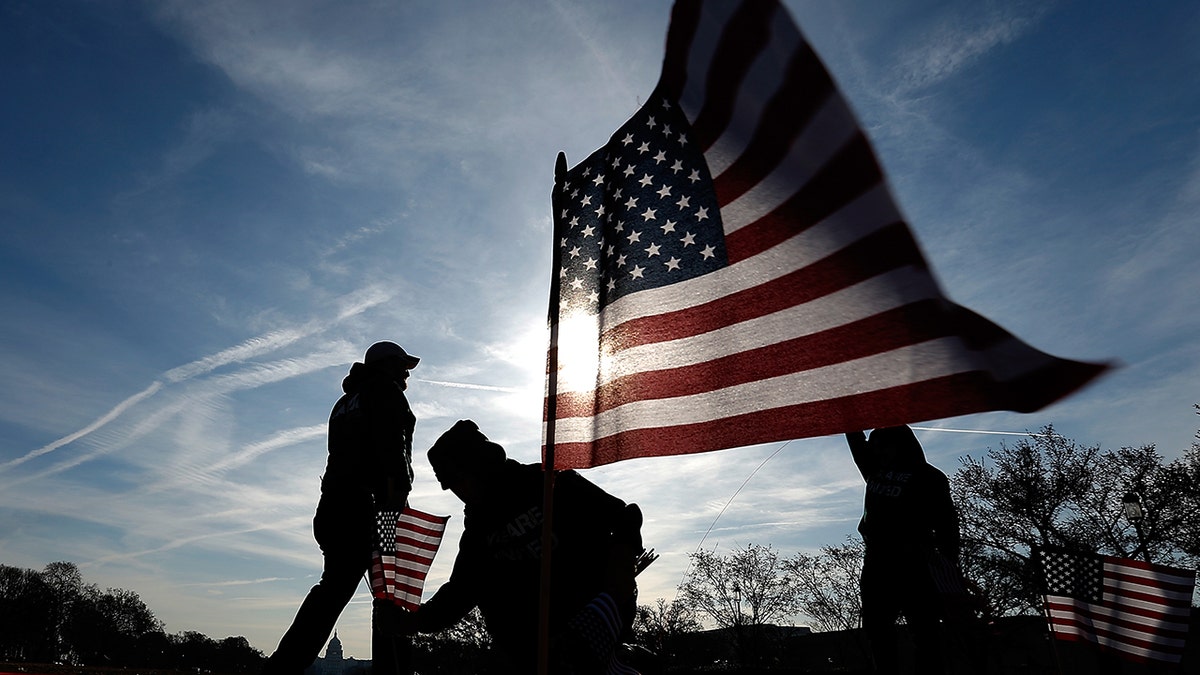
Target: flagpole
x=548 y=471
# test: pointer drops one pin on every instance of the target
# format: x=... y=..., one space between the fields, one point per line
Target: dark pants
x=901 y=584
x=346 y=535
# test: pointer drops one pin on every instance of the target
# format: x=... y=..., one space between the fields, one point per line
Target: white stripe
x=1154 y=576
x=766 y=76
x=830 y=129
x=1108 y=612
x=863 y=300
x=1118 y=644
x=713 y=17
x=861 y=217
x=908 y=365
x=1182 y=609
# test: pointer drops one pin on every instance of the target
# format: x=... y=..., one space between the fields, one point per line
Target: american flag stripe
x=1137 y=608
x=801 y=293
x=409 y=540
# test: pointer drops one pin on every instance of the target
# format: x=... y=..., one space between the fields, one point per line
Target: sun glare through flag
x=730 y=269
x=407 y=542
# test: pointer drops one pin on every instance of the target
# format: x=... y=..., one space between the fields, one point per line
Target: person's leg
x=880 y=609
x=922 y=612
x=315 y=619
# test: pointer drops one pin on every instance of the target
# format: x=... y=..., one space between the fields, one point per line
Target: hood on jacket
x=898 y=444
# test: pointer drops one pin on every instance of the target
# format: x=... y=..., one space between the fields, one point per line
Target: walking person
x=369 y=470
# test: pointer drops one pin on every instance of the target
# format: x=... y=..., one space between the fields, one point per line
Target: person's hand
x=389 y=619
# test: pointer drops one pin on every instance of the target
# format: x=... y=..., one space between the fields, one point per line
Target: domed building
x=335 y=663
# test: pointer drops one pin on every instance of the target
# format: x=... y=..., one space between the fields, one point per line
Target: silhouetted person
x=597 y=538
x=369 y=470
x=908 y=515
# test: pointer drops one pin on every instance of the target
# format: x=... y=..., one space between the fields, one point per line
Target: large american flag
x=1137 y=608
x=406 y=542
x=731 y=269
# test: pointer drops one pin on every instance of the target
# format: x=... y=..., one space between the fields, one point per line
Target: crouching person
x=596 y=547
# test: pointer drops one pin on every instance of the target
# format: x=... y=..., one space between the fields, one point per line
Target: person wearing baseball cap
x=369 y=470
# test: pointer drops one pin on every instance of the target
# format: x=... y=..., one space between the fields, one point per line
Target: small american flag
x=406 y=544
x=1137 y=608
x=730 y=269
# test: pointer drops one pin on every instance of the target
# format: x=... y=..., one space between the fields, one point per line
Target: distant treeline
x=51 y=616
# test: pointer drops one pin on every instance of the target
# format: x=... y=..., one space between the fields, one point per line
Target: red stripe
x=418 y=543
x=1134 y=578
x=1086 y=612
x=745 y=34
x=948 y=396
x=1153 y=598
x=806 y=88
x=849 y=174
x=1118 y=640
x=888 y=248
x=893 y=329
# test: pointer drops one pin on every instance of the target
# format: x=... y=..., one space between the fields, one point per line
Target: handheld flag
x=1139 y=609
x=730 y=269
x=406 y=543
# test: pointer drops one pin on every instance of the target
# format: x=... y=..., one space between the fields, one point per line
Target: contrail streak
x=480 y=387
x=99 y=422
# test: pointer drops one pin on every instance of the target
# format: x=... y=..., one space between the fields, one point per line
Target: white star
x=593 y=296
x=702 y=213
x=648 y=214
x=688 y=239
x=694 y=175
x=684 y=202
x=682 y=140
x=636 y=272
x=708 y=252
x=599 y=179
x=666 y=132
x=600 y=211
x=587 y=199
x=627 y=140
x=629 y=170
x=631 y=203
x=575 y=252
x=574 y=193
x=634 y=236
x=652 y=250
x=617 y=194
x=564 y=242
x=616 y=162
x=621 y=260
x=643 y=148
x=677 y=166
x=673 y=263
x=612 y=284
x=667 y=103
x=564 y=214
x=650 y=123
x=669 y=226
x=590 y=263
x=562 y=273
x=646 y=180
x=665 y=191
x=577 y=283
x=589 y=230
x=587 y=172
x=660 y=157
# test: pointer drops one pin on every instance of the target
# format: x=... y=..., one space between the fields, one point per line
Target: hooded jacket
x=499 y=557
x=370 y=439
x=908 y=507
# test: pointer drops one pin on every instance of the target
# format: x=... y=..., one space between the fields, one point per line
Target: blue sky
x=208 y=210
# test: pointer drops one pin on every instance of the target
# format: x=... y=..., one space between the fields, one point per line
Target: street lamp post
x=1135 y=513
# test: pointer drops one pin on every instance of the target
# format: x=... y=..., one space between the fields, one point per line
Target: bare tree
x=743 y=590
x=658 y=628
x=828 y=585
x=1046 y=490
